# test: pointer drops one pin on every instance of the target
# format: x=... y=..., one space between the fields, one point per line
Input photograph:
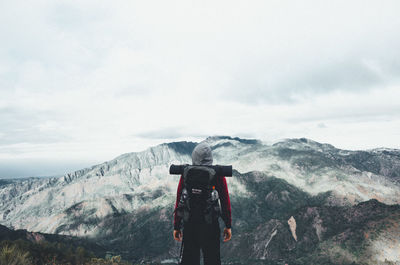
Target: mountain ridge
x=135 y=190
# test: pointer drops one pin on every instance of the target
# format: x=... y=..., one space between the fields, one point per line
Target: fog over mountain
x=295 y=200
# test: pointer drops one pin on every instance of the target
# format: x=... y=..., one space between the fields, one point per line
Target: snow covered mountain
x=110 y=200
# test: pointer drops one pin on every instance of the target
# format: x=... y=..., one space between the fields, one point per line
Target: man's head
x=201 y=154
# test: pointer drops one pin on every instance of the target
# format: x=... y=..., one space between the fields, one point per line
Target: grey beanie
x=201 y=154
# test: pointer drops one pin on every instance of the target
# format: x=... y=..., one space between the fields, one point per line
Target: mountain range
x=296 y=201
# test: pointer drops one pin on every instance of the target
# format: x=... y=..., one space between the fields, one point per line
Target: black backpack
x=199 y=201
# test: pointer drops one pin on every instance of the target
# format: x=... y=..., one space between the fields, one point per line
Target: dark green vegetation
x=5 y=182
x=381 y=162
x=26 y=252
x=73 y=242
x=21 y=247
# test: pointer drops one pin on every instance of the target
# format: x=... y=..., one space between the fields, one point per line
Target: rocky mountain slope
x=126 y=203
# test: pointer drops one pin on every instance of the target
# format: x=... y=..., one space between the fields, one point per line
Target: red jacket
x=222 y=189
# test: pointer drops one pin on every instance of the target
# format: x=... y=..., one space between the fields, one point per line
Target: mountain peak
x=224 y=137
x=182 y=147
x=296 y=143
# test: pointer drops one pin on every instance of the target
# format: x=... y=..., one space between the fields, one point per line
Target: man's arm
x=225 y=203
x=226 y=209
x=178 y=219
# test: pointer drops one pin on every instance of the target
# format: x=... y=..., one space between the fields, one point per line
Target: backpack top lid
x=202 y=155
x=199 y=176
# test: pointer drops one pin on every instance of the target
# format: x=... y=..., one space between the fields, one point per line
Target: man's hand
x=227 y=234
x=178 y=235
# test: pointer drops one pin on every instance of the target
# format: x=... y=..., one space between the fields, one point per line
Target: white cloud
x=100 y=78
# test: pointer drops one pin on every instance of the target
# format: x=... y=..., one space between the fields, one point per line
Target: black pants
x=201 y=236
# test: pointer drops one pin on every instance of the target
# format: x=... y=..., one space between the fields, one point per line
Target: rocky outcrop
x=292 y=226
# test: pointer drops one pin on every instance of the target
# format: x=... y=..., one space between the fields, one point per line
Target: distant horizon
x=57 y=168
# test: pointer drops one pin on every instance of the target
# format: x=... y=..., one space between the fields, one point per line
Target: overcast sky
x=82 y=82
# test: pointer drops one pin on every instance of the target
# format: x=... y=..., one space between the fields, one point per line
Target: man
x=198 y=234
